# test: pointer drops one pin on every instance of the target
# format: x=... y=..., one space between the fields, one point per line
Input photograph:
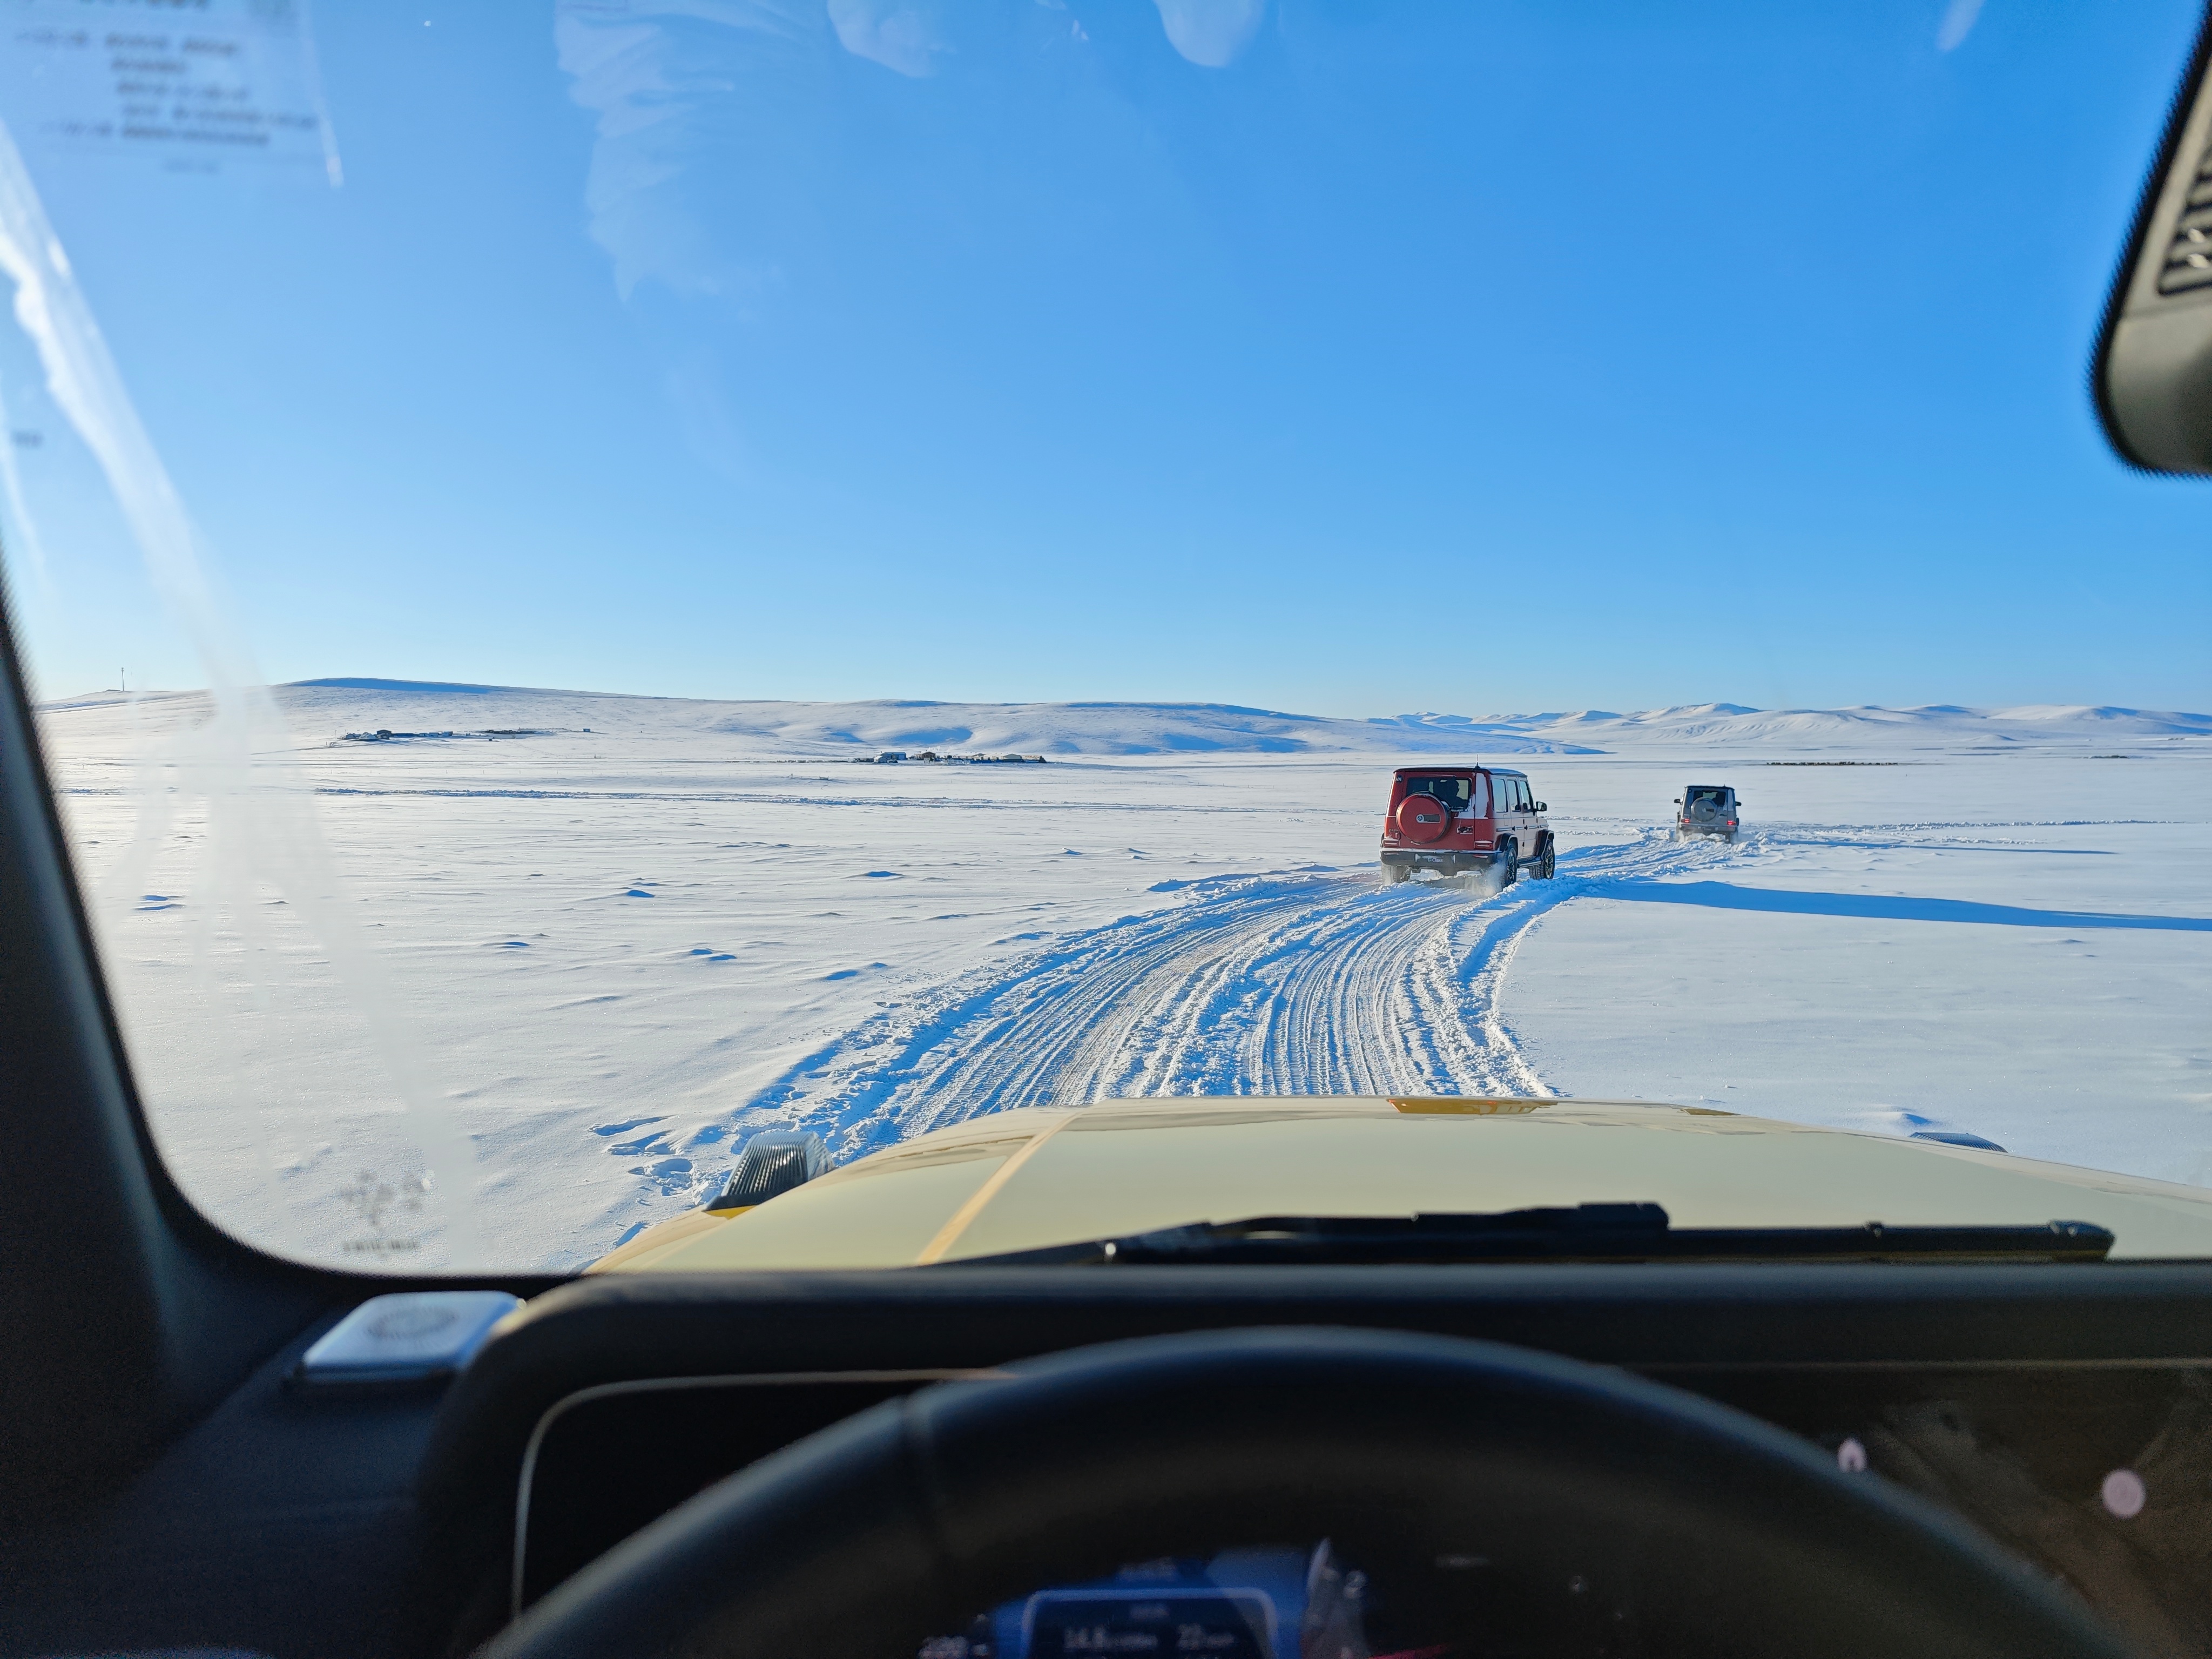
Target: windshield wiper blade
x=1588 y=1232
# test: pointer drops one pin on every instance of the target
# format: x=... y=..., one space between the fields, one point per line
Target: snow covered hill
x=328 y=709
x=1728 y=725
x=1170 y=728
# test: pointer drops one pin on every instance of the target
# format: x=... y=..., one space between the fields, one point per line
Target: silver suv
x=1706 y=809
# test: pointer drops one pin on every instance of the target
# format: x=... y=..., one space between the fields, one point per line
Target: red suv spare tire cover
x=1422 y=818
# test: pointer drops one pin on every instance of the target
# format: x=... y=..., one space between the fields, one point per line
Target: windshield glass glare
x=609 y=579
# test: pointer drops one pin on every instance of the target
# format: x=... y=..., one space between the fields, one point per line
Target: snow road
x=611 y=938
x=1319 y=981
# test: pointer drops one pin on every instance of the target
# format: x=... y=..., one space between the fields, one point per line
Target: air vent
x=771 y=1165
x=2188 y=258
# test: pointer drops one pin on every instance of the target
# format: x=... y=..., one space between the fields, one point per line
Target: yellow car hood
x=1020 y=1180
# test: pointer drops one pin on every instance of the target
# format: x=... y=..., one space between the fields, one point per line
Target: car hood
x=1023 y=1179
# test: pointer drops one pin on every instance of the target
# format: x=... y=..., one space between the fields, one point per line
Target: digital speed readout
x=1221 y=1624
x=1266 y=1601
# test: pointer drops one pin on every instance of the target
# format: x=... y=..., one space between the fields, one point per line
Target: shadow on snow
x=1873 y=907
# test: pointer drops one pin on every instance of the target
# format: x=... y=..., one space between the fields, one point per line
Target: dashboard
x=2098 y=1469
x=2101 y=1474
x=2066 y=1411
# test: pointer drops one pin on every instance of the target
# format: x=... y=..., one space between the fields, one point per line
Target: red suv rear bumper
x=1449 y=862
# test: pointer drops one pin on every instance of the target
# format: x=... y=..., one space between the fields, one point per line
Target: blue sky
x=1474 y=356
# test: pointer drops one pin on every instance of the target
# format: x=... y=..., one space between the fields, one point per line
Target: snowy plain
x=569 y=950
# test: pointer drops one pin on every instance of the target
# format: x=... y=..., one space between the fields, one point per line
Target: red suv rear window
x=1452 y=792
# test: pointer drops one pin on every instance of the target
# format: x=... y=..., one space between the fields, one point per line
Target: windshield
x=612 y=578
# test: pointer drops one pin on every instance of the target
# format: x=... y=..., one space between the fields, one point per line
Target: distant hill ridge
x=336 y=705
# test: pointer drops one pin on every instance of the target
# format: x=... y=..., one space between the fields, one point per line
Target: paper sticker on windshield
x=194 y=85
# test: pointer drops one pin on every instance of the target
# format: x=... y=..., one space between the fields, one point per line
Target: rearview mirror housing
x=2152 y=375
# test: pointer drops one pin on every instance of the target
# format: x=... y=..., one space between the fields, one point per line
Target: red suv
x=1459 y=818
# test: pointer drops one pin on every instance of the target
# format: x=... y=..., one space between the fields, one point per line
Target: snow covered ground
x=569 y=956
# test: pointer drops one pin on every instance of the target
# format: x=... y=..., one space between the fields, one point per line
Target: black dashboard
x=2067 y=1411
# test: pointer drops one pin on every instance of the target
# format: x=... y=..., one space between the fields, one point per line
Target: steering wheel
x=1727 y=1535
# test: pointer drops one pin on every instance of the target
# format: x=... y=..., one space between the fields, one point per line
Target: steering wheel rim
x=916 y=1514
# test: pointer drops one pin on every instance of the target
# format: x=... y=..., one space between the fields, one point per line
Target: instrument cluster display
x=1267 y=1602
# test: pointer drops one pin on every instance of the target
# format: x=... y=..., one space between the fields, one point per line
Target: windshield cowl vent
x=771 y=1165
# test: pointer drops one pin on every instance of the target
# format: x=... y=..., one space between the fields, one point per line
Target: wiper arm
x=1588 y=1232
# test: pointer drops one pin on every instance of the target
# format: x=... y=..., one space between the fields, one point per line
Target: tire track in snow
x=1311 y=981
